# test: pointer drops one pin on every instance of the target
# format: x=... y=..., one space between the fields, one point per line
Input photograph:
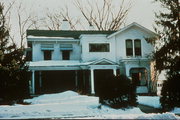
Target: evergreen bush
x=170 y=93
x=117 y=92
x=13 y=71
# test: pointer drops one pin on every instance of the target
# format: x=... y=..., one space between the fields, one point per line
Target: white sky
x=142 y=11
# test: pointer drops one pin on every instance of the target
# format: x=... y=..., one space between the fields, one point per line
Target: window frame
x=127 y=51
x=63 y=52
x=137 y=50
x=45 y=56
x=98 y=49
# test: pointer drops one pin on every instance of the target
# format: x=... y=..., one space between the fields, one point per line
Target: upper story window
x=133 y=50
x=99 y=47
x=129 y=47
x=66 y=49
x=47 y=55
x=137 y=47
x=47 y=50
x=66 y=55
x=29 y=55
x=29 y=52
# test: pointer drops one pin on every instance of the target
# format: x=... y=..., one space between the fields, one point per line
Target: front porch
x=86 y=77
x=58 y=76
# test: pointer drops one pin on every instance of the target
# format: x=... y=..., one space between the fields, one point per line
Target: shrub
x=170 y=93
x=117 y=92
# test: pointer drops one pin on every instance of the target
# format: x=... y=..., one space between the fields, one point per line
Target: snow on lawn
x=152 y=101
x=176 y=111
x=70 y=104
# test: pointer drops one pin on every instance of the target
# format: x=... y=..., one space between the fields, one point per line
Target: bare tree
x=53 y=21
x=72 y=21
x=102 y=16
x=7 y=15
x=17 y=22
x=154 y=75
x=24 y=23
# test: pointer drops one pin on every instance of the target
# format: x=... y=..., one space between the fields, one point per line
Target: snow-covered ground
x=152 y=101
x=70 y=104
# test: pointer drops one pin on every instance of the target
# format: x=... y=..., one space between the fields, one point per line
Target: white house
x=67 y=59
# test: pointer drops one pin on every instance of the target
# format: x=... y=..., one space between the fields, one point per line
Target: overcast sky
x=142 y=11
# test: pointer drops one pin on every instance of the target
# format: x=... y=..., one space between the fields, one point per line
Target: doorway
x=100 y=78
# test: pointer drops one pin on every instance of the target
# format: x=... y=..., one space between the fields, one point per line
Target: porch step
x=141 y=89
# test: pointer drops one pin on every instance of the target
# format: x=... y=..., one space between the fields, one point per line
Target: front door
x=136 y=79
x=100 y=77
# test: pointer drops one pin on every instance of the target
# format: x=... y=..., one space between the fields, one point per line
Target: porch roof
x=64 y=65
x=56 y=65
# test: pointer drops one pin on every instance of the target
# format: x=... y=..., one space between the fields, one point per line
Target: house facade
x=67 y=59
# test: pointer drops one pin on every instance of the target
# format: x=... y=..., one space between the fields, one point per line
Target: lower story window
x=47 y=55
x=139 y=76
x=66 y=55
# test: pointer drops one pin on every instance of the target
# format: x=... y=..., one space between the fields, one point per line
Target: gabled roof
x=76 y=33
x=129 y=26
x=103 y=61
x=65 y=33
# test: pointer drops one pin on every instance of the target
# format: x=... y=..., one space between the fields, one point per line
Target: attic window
x=99 y=47
x=47 y=46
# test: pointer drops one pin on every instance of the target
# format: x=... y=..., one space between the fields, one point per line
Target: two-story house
x=69 y=59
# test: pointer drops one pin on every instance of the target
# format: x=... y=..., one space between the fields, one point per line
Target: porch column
x=40 y=80
x=84 y=79
x=149 y=79
x=33 y=83
x=92 y=81
x=114 y=71
x=76 y=79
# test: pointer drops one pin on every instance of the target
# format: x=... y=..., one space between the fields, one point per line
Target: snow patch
x=58 y=63
x=45 y=37
x=152 y=101
x=176 y=111
x=70 y=104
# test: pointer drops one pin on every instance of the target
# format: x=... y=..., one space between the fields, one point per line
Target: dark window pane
x=65 y=54
x=29 y=56
x=129 y=47
x=136 y=79
x=98 y=47
x=137 y=46
x=47 y=55
x=30 y=45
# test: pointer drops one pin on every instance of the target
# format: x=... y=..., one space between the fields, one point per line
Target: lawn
x=70 y=104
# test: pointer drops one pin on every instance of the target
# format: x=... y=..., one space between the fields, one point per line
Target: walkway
x=148 y=109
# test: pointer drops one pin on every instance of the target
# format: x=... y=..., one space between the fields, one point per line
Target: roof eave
x=130 y=25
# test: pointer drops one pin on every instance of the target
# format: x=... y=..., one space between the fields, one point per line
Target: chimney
x=91 y=27
x=65 y=25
